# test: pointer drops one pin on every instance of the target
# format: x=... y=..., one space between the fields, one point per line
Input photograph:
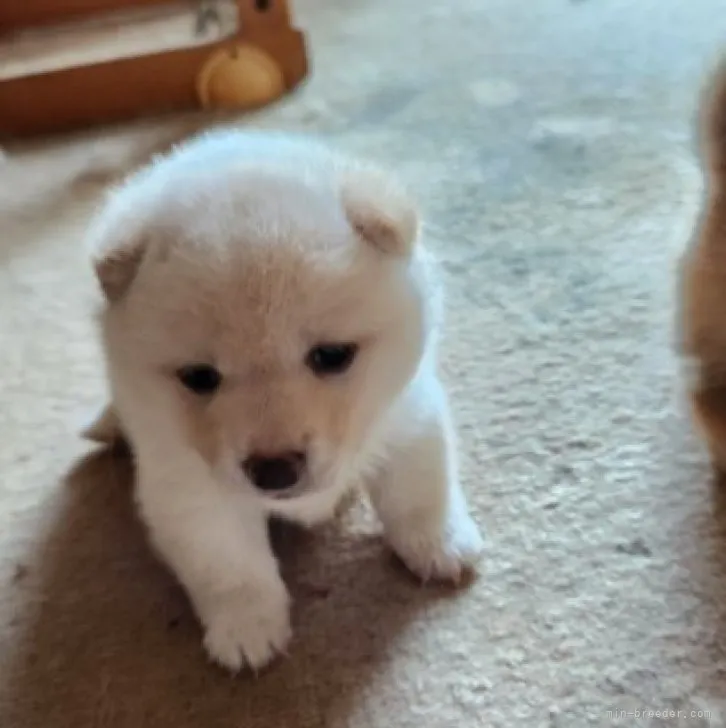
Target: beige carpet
x=550 y=142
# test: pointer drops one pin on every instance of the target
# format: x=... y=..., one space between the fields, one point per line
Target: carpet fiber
x=550 y=143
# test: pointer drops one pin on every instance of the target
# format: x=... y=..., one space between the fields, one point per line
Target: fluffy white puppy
x=268 y=324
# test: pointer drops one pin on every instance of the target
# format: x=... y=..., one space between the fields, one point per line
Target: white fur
x=246 y=249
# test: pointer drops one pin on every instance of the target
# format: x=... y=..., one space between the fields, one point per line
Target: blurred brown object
x=75 y=63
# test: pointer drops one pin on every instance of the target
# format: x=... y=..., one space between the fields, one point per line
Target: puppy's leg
x=419 y=498
x=216 y=542
x=709 y=409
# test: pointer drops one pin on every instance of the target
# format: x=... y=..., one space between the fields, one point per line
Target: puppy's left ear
x=380 y=211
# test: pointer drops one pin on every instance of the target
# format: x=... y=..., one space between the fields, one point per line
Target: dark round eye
x=327 y=359
x=200 y=378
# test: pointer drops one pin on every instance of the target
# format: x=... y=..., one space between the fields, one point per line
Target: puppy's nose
x=274 y=472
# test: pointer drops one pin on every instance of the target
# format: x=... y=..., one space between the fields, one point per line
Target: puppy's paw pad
x=441 y=557
x=247 y=628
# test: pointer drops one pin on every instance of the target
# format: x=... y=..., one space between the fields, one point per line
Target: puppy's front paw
x=248 y=626
x=433 y=555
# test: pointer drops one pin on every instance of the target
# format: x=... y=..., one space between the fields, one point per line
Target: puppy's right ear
x=116 y=266
x=124 y=231
x=104 y=428
x=117 y=242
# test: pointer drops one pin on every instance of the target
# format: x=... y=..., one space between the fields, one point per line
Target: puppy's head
x=265 y=304
x=702 y=270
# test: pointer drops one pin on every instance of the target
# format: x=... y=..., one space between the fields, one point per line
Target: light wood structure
x=261 y=58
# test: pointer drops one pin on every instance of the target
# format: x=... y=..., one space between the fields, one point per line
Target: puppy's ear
x=380 y=211
x=117 y=242
x=116 y=266
x=104 y=428
x=120 y=236
x=712 y=126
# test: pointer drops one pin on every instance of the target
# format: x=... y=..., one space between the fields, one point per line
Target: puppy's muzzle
x=274 y=472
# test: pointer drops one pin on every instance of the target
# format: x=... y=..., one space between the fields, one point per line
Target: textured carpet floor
x=552 y=150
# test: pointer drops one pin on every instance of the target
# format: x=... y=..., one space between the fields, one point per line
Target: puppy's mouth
x=308 y=486
x=312 y=496
x=292 y=492
x=308 y=503
x=278 y=477
x=305 y=495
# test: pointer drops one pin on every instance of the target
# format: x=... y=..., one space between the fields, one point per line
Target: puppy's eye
x=200 y=378
x=328 y=359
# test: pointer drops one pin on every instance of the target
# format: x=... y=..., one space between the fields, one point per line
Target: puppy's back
x=712 y=126
x=703 y=274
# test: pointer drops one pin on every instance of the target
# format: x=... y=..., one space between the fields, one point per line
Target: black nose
x=274 y=472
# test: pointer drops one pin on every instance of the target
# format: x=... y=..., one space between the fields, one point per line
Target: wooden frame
x=152 y=83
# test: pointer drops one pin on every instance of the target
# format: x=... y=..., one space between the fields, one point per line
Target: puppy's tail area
x=712 y=123
x=104 y=428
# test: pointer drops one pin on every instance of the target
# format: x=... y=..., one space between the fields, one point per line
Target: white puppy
x=268 y=323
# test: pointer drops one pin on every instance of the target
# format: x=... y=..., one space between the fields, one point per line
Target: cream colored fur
x=244 y=250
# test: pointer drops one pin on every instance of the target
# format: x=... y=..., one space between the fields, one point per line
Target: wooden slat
x=264 y=15
x=16 y=14
x=111 y=36
x=125 y=89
